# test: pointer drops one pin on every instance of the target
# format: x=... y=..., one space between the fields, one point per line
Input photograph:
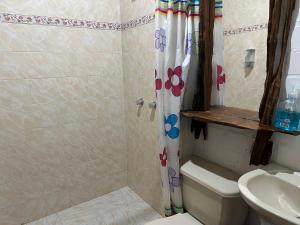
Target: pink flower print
x=220 y=76
x=163 y=158
x=175 y=82
x=158 y=82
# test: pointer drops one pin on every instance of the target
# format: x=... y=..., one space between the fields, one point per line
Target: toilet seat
x=178 y=219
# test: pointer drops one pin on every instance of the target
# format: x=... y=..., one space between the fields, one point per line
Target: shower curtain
x=218 y=73
x=177 y=22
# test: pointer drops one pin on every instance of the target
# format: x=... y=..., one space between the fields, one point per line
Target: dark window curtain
x=280 y=20
x=202 y=97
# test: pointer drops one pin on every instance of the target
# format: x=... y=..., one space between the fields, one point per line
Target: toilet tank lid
x=216 y=183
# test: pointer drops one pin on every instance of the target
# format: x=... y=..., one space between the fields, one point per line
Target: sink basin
x=274 y=194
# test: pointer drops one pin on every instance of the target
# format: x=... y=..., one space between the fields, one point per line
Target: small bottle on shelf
x=287 y=113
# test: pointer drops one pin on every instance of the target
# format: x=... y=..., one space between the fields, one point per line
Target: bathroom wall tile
x=56 y=177
x=92 y=10
x=138 y=69
x=145 y=42
x=100 y=184
x=61 y=109
x=110 y=113
x=254 y=12
x=41 y=115
x=47 y=142
x=55 y=201
x=112 y=63
x=11 y=171
x=69 y=111
x=9 y=69
x=45 y=64
x=12 y=118
x=44 y=91
x=72 y=135
x=95 y=41
x=235 y=143
x=31 y=209
x=285 y=151
x=136 y=9
x=129 y=38
x=14 y=93
x=22 y=38
x=73 y=88
x=85 y=63
x=251 y=82
x=113 y=86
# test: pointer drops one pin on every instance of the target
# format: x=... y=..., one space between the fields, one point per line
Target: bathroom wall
x=61 y=106
x=138 y=67
x=231 y=147
x=237 y=143
x=245 y=25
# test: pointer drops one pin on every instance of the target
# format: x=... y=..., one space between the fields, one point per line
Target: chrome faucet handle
x=152 y=105
x=140 y=102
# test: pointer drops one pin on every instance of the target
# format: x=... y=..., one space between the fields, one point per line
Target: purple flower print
x=160 y=39
x=174 y=181
x=189 y=42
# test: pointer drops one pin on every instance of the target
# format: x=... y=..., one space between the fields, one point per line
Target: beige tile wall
x=105 y=11
x=61 y=110
x=62 y=105
x=138 y=67
x=244 y=88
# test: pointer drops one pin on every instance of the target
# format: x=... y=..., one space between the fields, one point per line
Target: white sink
x=274 y=194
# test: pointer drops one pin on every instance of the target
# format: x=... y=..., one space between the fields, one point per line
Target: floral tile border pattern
x=56 y=21
x=246 y=29
x=138 y=22
x=65 y=22
x=95 y=25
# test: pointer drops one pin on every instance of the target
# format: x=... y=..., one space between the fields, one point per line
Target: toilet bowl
x=210 y=196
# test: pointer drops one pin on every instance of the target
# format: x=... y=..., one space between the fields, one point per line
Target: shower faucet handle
x=140 y=102
x=152 y=105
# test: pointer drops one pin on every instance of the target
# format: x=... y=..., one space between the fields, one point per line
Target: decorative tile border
x=247 y=29
x=64 y=22
x=56 y=21
x=139 y=22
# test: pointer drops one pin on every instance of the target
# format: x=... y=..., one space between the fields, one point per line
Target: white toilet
x=210 y=195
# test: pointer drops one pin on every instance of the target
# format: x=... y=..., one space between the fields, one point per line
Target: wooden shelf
x=232 y=117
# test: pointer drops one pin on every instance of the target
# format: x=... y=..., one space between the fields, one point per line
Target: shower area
x=71 y=134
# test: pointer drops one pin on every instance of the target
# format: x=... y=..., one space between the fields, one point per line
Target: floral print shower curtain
x=176 y=24
x=218 y=73
x=176 y=44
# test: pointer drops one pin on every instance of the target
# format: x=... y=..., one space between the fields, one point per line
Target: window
x=293 y=79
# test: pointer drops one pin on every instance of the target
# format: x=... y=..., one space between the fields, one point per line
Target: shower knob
x=140 y=102
x=152 y=105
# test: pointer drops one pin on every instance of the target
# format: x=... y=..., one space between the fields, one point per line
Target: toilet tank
x=211 y=193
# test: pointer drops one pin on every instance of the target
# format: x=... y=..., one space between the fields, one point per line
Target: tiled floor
x=122 y=207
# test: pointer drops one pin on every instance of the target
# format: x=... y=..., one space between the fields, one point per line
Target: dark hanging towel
x=202 y=96
x=280 y=20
